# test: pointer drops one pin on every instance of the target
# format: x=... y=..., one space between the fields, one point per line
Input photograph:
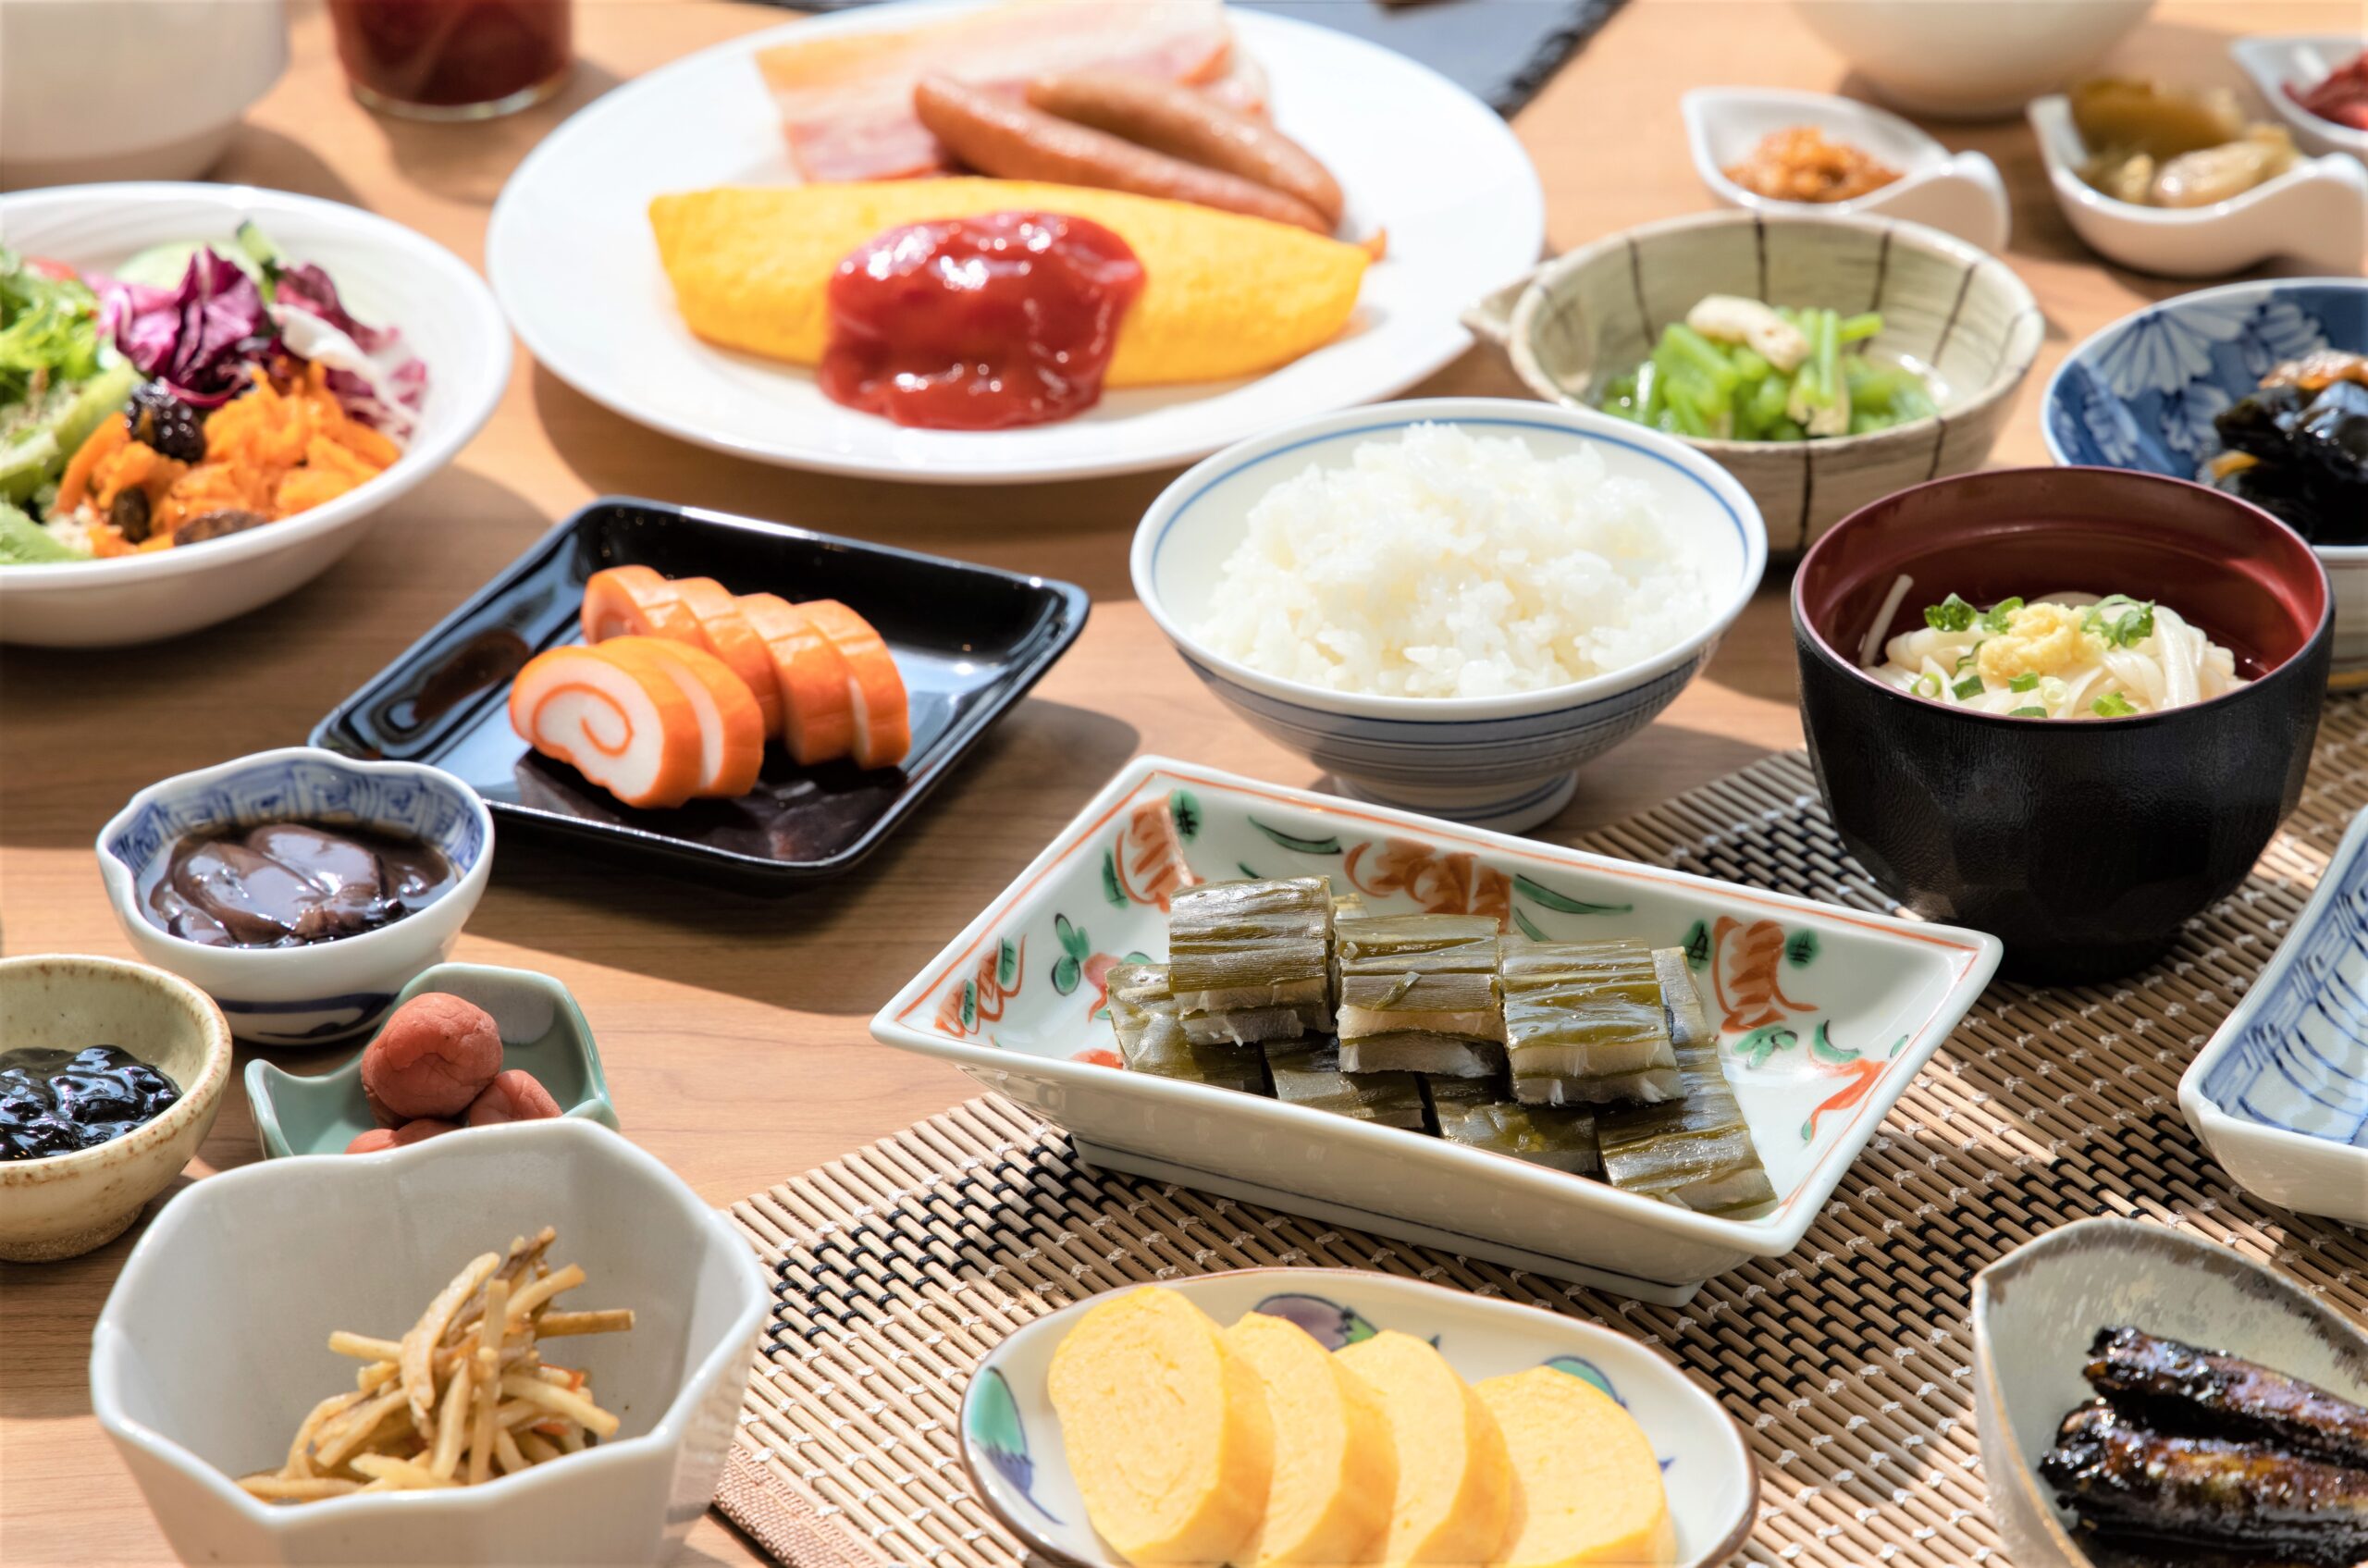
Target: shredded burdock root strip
x=463 y=1398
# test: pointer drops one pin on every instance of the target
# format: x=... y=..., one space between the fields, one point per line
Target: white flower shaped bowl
x=328 y=991
x=388 y=275
x=2280 y=1094
x=2036 y=1310
x=2316 y=213
x=1019 y=1467
x=1506 y=762
x=2302 y=61
x=1959 y=193
x=213 y=1344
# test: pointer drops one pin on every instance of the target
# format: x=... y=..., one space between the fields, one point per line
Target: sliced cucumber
x=162 y=267
x=24 y=542
x=102 y=396
x=26 y=463
x=259 y=248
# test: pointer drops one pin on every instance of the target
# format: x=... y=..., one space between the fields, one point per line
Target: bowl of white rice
x=1451 y=604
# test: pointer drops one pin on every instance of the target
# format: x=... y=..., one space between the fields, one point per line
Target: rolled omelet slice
x=1588 y=1490
x=1454 y=1477
x=1224 y=295
x=1167 y=1429
x=1336 y=1461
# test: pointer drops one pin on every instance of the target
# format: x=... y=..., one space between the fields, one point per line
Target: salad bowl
x=1825 y=1014
x=1011 y=1440
x=386 y=274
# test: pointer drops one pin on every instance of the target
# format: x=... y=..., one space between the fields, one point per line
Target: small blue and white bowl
x=2142 y=394
x=1504 y=762
x=2280 y=1094
x=327 y=992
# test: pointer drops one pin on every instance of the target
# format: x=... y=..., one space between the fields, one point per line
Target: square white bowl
x=1825 y=1014
x=213 y=1344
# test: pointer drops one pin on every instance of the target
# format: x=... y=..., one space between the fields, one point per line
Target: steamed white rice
x=1446 y=565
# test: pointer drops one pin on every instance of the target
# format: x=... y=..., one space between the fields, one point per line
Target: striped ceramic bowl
x=1504 y=762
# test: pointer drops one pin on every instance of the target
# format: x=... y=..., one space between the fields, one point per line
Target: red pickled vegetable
x=514 y=1095
x=432 y=1058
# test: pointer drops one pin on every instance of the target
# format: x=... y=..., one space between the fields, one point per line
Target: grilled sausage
x=1176 y=121
x=1012 y=141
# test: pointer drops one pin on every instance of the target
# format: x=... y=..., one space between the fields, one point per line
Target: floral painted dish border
x=1010 y=1440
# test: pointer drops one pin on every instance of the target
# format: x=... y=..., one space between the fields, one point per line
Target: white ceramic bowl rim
x=207 y=1087
x=2010 y=372
x=122 y=878
x=477 y=394
x=1932 y=158
x=493 y=1494
x=2112 y=330
x=2267 y=58
x=1500 y=413
x=2072 y=187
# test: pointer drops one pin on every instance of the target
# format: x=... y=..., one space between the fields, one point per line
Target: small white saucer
x=2304 y=59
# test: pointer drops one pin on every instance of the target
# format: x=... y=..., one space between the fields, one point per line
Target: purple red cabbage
x=197 y=338
x=380 y=384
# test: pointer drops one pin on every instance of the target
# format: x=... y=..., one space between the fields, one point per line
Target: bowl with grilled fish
x=2147 y=1400
x=1571 y=1064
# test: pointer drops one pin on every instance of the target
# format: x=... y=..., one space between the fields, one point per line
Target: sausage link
x=1192 y=126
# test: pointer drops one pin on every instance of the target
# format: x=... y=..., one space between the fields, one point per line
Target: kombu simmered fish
x=1418 y=994
x=1694 y=1152
x=1584 y=1023
x=1151 y=1036
x=1252 y=961
x=1481 y=1113
x=2190 y=1453
x=1307 y=1072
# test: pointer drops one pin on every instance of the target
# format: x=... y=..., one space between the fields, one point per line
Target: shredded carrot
x=101 y=443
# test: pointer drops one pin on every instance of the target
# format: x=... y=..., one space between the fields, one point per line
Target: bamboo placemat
x=1849 y=1361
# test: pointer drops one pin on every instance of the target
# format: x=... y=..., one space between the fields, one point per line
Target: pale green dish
x=542 y=1030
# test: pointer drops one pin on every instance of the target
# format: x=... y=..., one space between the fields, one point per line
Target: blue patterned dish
x=1011 y=1440
x=331 y=991
x=2280 y=1096
x=2142 y=394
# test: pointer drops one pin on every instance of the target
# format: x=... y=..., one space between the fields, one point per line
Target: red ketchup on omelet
x=978 y=323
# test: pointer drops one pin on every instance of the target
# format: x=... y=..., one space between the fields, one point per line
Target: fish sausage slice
x=732 y=732
x=1011 y=140
x=1194 y=127
x=624 y=725
x=725 y=633
x=635 y=601
x=882 y=726
x=817 y=705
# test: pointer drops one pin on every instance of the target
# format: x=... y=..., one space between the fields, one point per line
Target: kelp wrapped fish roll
x=1144 y=1016
x=1417 y=993
x=1307 y=1072
x=1481 y=1113
x=1694 y=1152
x=1584 y=1023
x=1252 y=961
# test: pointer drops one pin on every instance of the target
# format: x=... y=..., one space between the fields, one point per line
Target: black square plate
x=969 y=641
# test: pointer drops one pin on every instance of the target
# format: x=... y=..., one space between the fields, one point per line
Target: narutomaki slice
x=816 y=703
x=883 y=729
x=634 y=601
x=628 y=729
x=729 y=636
x=732 y=732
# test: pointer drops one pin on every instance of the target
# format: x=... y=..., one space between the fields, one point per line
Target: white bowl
x=328 y=991
x=1958 y=193
x=2036 y=1310
x=1013 y=1449
x=1506 y=761
x=2303 y=59
x=108 y=92
x=2280 y=1094
x=212 y=1345
x=388 y=275
x=1016 y=1001
x=2316 y=212
x=1969 y=59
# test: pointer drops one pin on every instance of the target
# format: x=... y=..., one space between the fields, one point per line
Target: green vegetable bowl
x=542 y=1030
x=1883 y=305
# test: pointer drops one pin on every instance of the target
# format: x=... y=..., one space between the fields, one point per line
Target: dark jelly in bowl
x=2083 y=843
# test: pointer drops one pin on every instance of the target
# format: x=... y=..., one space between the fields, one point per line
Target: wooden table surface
x=720 y=1018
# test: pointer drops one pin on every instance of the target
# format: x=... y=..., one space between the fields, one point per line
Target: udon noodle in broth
x=2061 y=655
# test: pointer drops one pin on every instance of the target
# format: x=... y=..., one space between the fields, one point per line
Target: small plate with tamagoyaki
x=1546 y=1440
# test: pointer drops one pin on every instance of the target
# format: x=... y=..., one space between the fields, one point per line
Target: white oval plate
x=571 y=257
x=1011 y=1440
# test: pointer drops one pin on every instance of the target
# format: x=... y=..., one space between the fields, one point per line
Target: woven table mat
x=1848 y=1361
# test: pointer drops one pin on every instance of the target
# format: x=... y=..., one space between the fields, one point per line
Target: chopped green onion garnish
x=2025 y=682
x=2113 y=705
x=1968 y=688
x=1999 y=618
x=2052 y=692
x=2134 y=627
x=2026 y=712
x=1926 y=685
x=1952 y=614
